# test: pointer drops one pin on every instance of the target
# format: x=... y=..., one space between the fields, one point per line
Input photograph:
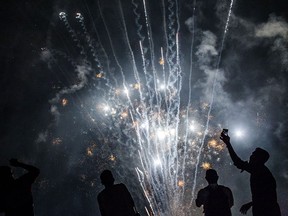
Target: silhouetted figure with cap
x=16 y=195
x=115 y=199
x=217 y=200
x=262 y=183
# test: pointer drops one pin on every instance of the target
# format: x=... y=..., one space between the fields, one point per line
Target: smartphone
x=225 y=132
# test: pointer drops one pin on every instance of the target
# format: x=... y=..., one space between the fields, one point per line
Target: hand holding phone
x=224 y=136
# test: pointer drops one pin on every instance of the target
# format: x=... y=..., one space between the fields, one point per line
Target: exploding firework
x=140 y=110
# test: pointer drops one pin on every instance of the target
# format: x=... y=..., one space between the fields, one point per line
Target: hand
x=225 y=138
x=244 y=208
x=14 y=162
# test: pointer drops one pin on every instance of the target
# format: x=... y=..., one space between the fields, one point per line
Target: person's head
x=5 y=173
x=259 y=156
x=211 y=176
x=107 y=178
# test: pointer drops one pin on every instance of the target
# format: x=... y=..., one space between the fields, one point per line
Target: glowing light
x=162 y=87
x=181 y=183
x=161 y=61
x=113 y=111
x=106 y=108
x=239 y=133
x=79 y=16
x=157 y=162
x=99 y=75
x=126 y=91
x=57 y=141
x=124 y=115
x=161 y=134
x=64 y=102
x=112 y=158
x=144 y=125
x=89 y=151
x=192 y=126
x=216 y=145
x=136 y=86
x=206 y=166
x=117 y=91
x=199 y=133
x=62 y=15
x=205 y=105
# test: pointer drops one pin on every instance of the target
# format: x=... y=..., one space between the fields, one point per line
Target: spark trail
x=212 y=97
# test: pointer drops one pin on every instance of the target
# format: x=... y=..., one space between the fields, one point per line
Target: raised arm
x=240 y=164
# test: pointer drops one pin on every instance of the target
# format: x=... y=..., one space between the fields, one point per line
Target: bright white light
x=62 y=15
x=162 y=87
x=126 y=91
x=144 y=125
x=106 y=108
x=113 y=111
x=161 y=134
x=239 y=133
x=192 y=126
x=157 y=162
x=172 y=131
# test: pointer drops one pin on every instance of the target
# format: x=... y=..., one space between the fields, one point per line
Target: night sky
x=82 y=90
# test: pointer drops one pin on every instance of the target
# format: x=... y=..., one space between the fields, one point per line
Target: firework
x=140 y=107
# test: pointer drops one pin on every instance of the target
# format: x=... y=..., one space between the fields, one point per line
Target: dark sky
x=47 y=60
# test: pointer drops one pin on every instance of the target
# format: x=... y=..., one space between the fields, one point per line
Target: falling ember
x=64 y=102
x=117 y=91
x=161 y=61
x=134 y=124
x=199 y=133
x=214 y=144
x=89 y=151
x=99 y=75
x=206 y=166
x=112 y=158
x=113 y=111
x=205 y=106
x=56 y=141
x=181 y=183
x=124 y=114
x=136 y=86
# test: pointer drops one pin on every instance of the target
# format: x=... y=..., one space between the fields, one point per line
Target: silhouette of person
x=217 y=200
x=16 y=194
x=115 y=199
x=5 y=173
x=262 y=183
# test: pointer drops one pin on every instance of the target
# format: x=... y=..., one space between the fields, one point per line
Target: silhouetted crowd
x=115 y=199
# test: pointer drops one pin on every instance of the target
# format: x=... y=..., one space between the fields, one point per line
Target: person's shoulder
x=120 y=185
x=225 y=188
x=202 y=190
x=222 y=186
